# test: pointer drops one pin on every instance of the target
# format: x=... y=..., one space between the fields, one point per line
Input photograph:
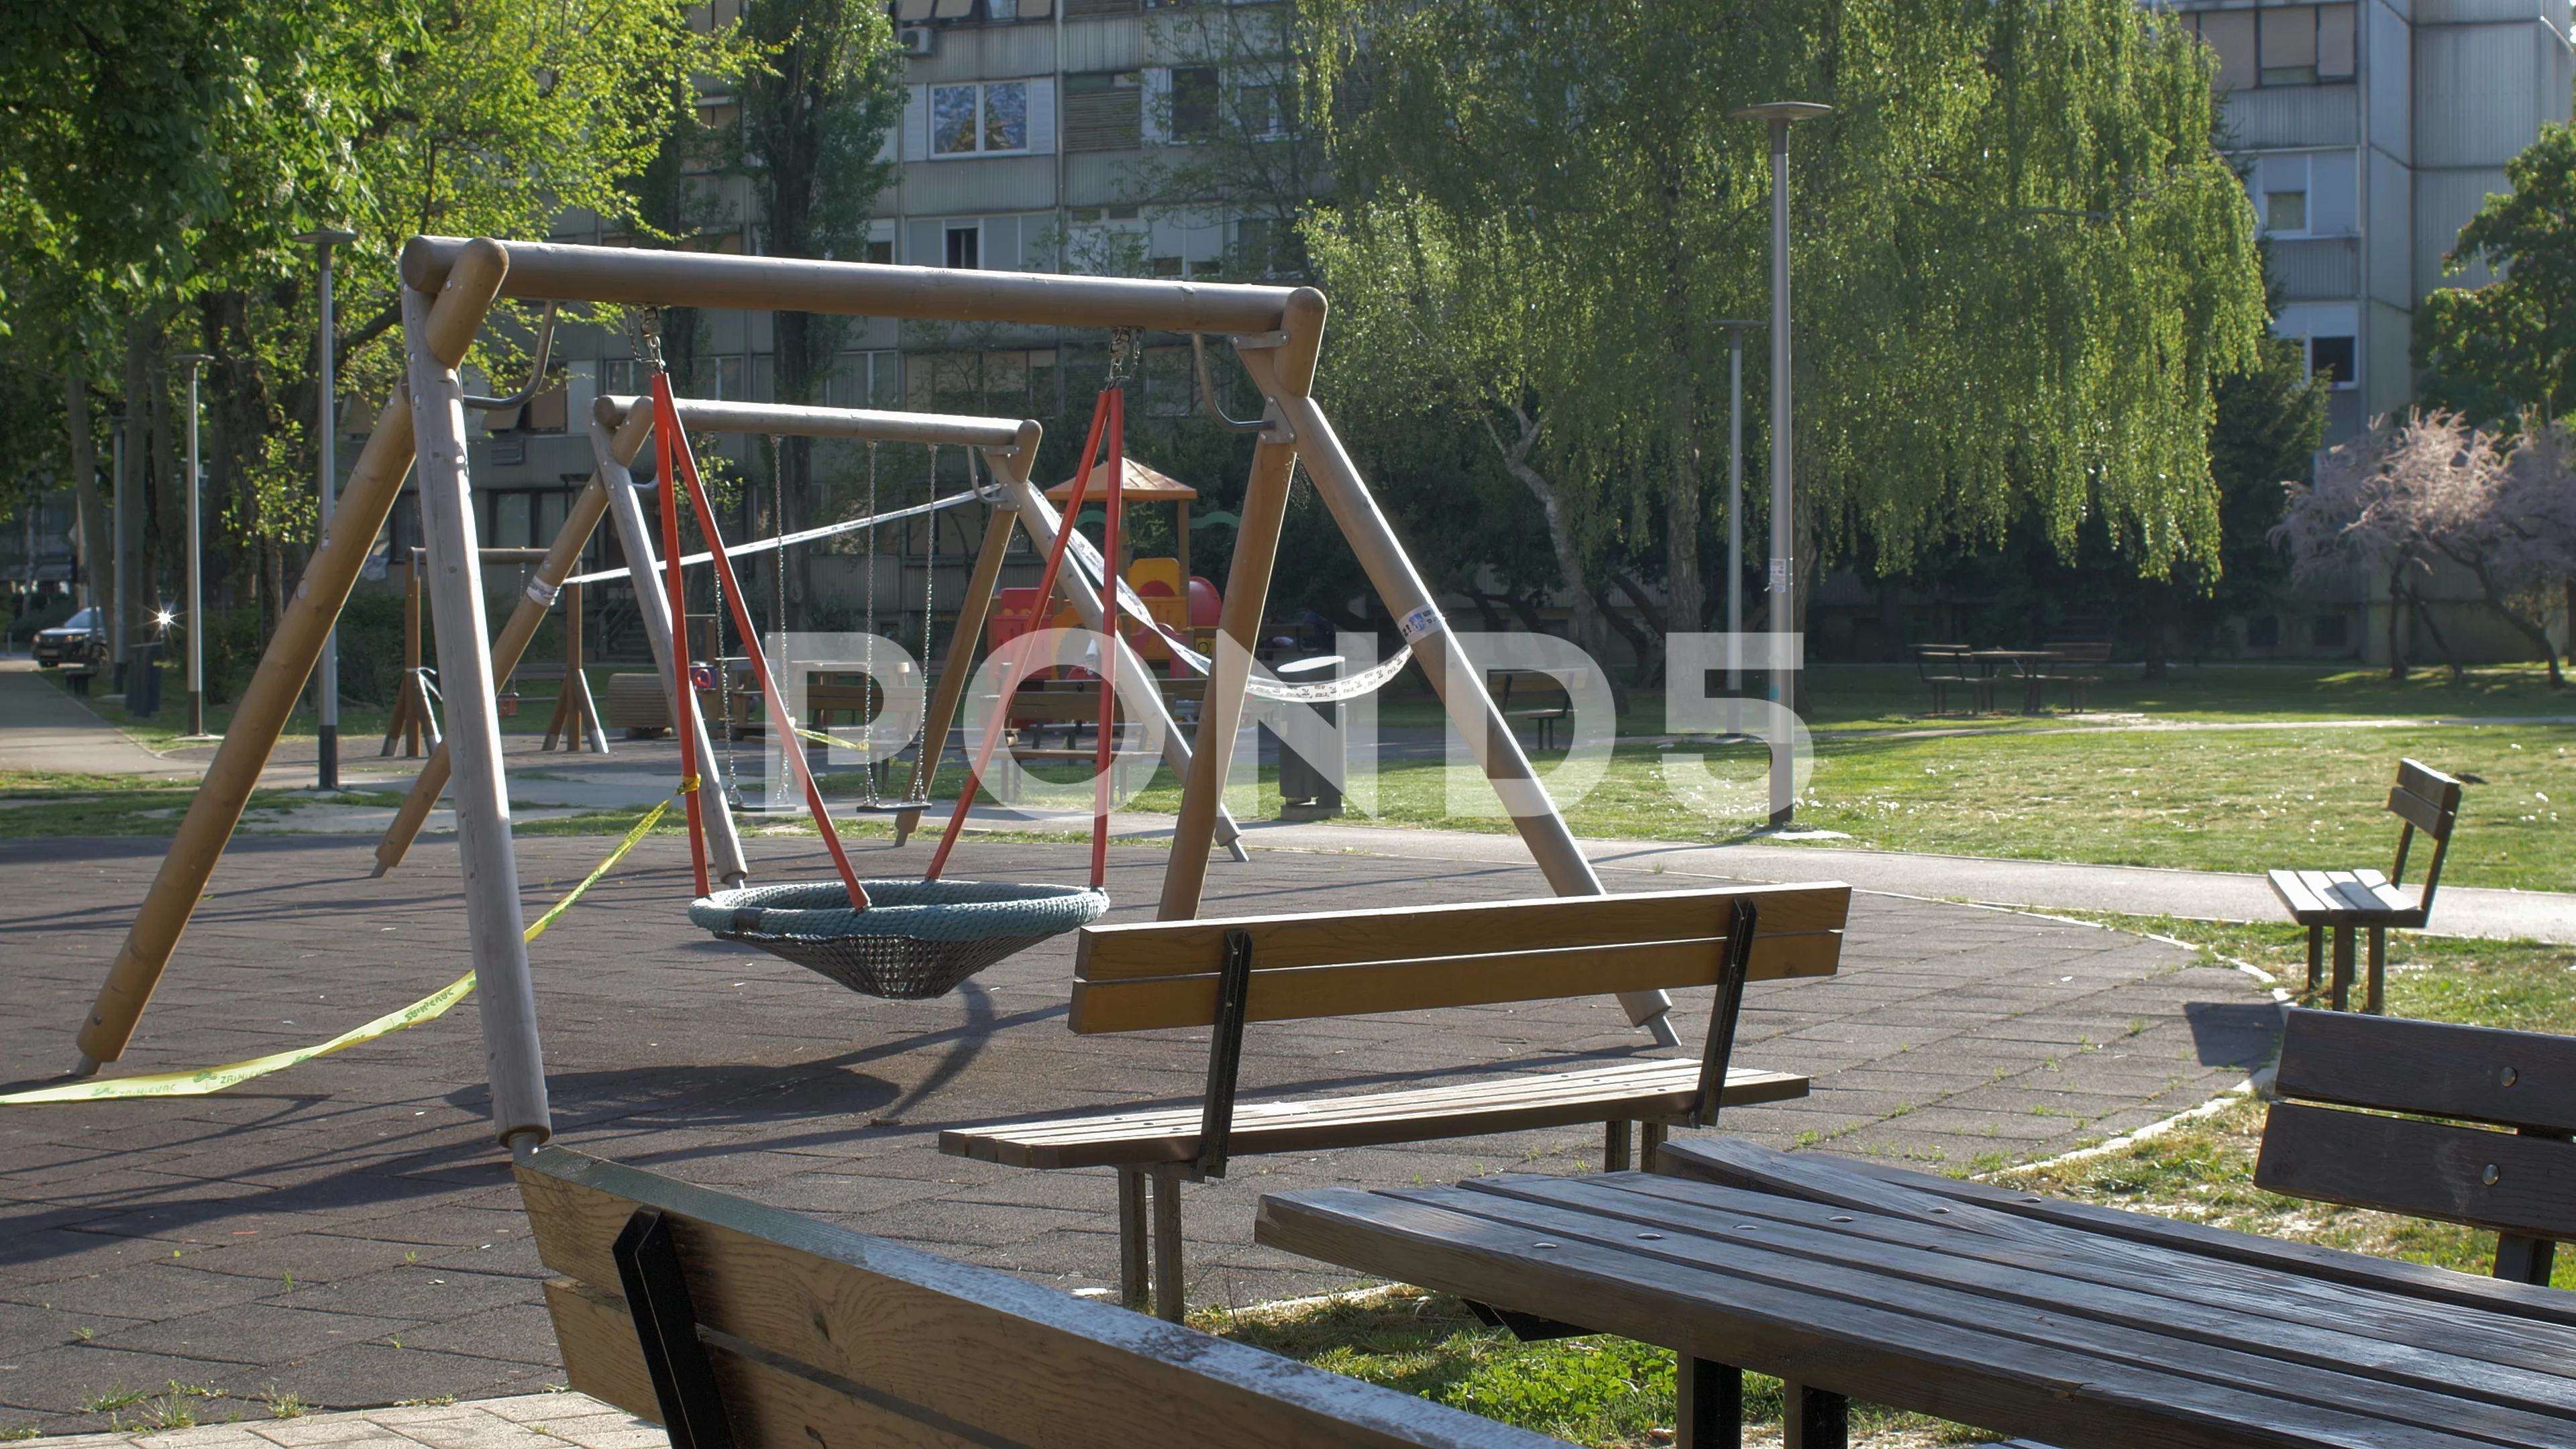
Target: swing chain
x=1126 y=349
x=644 y=335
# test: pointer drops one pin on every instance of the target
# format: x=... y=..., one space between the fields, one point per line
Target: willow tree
x=2022 y=264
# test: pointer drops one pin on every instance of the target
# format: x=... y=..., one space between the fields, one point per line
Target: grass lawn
x=2191 y=799
x=1892 y=696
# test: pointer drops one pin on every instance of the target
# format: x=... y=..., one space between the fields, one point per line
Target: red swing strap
x=1111 y=405
x=791 y=747
x=684 y=688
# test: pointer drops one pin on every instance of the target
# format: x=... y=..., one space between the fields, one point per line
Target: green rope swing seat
x=917 y=938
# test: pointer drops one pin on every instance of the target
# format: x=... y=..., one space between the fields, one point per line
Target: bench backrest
x=2427 y=800
x=2520 y=1184
x=1358 y=963
x=735 y=1324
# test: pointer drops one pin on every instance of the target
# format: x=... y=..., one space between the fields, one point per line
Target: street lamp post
x=1784 y=574
x=196 y=560
x=326 y=686
x=116 y=574
x=1735 y=330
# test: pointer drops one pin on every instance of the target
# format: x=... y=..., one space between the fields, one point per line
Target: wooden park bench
x=2347 y=900
x=1224 y=974
x=2520 y=1185
x=2075 y=663
x=731 y=1323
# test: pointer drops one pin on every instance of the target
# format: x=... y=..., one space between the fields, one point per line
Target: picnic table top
x=2012 y=1313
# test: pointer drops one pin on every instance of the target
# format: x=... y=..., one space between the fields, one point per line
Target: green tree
x=2022 y=264
x=2510 y=345
x=812 y=119
x=194 y=140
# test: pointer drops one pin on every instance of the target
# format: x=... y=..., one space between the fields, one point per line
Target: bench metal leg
x=1131 y=1237
x=2316 y=960
x=2371 y=999
x=1614 y=1147
x=1814 y=1419
x=2343 y=968
x=1650 y=1137
x=2524 y=1260
x=1167 y=1243
x=1710 y=1399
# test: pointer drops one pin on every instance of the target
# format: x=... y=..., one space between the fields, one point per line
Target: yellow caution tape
x=429 y=1008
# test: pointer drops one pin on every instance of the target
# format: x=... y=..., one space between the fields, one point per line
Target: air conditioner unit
x=921 y=40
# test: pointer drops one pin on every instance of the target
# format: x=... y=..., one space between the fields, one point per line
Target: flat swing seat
x=917 y=939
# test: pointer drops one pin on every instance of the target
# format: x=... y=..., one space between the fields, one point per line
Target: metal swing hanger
x=536 y=370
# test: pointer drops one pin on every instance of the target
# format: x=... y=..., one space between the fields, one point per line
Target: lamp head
x=326 y=236
x=1791 y=111
x=193 y=359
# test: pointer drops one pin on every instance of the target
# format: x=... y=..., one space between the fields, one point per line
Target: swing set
x=451 y=283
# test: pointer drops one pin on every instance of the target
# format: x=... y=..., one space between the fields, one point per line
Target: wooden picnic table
x=2025 y=666
x=2018 y=1314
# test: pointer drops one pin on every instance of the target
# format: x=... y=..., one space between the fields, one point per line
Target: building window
x=881 y=250
x=2328 y=631
x=965 y=247
x=967 y=120
x=2279 y=45
x=2263 y=631
x=2333 y=357
x=622 y=377
x=1194 y=102
x=2285 y=211
x=1104 y=111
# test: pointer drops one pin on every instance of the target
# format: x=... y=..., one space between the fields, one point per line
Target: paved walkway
x=2052 y=885
x=43 y=729
x=522 y=1421
x=346 y=1231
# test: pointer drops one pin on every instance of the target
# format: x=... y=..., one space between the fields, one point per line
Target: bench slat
x=2345 y=897
x=1630 y=1083
x=2417 y=778
x=1318 y=1124
x=1180 y=948
x=2476 y=1073
x=769 y=1407
x=600 y=1354
x=2420 y=1169
x=2421 y=813
x=1018 y=1362
x=1420 y=985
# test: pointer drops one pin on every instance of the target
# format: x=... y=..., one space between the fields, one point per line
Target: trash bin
x=143 y=680
x=1306 y=789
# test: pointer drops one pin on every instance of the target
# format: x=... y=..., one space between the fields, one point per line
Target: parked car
x=79 y=641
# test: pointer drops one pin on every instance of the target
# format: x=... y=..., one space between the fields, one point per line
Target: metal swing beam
x=450 y=282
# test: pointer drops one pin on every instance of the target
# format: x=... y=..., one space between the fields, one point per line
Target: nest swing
x=901 y=939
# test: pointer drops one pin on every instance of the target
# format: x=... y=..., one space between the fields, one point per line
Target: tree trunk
x=90 y=520
x=1590 y=630
x=1651 y=673
x=170 y=502
x=2159 y=648
x=2450 y=658
x=138 y=593
x=242 y=414
x=2396 y=619
x=2534 y=630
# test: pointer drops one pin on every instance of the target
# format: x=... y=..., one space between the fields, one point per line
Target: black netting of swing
x=918 y=938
